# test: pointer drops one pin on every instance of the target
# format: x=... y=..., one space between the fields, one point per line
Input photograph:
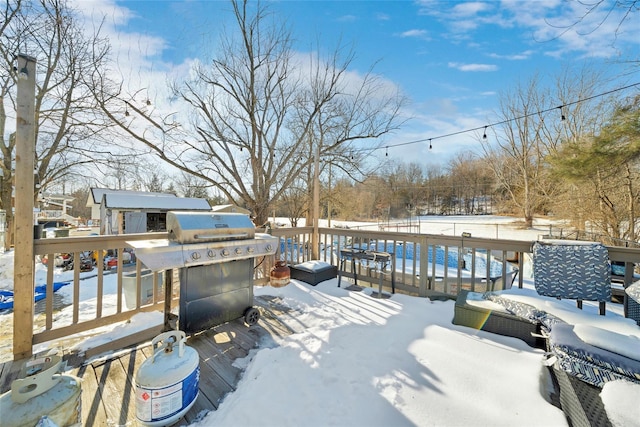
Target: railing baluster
x=76 y=286
x=49 y=301
x=138 y=281
x=100 y=290
x=119 y=274
x=473 y=269
x=487 y=277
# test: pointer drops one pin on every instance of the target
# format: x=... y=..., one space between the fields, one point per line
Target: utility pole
x=24 y=264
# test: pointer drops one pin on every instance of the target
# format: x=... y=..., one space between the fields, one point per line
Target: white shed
x=122 y=213
x=95 y=199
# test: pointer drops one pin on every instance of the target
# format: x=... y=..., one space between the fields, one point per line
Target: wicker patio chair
x=572 y=270
x=632 y=302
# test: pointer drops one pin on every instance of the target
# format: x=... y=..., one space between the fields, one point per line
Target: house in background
x=125 y=211
x=53 y=211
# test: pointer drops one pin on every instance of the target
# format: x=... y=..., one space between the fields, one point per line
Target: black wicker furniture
x=496 y=320
x=580 y=401
x=313 y=272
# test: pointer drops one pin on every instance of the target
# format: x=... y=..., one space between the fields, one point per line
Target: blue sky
x=451 y=58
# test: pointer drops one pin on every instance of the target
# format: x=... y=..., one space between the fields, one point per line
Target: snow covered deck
x=108 y=384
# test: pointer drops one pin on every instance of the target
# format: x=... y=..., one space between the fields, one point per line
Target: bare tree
x=473 y=179
x=627 y=7
x=67 y=124
x=191 y=186
x=295 y=202
x=256 y=107
x=517 y=156
x=534 y=122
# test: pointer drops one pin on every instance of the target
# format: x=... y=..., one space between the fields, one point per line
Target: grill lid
x=193 y=227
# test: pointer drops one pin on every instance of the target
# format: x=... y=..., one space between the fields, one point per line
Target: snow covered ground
x=359 y=360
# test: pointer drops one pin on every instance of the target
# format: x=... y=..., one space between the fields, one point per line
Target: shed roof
x=147 y=201
x=95 y=195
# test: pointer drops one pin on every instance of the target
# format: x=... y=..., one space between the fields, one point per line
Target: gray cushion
x=587 y=362
x=633 y=291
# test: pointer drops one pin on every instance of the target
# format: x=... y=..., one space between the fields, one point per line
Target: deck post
x=315 y=236
x=24 y=265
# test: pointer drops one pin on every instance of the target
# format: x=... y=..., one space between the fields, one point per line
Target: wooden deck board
x=115 y=391
x=8 y=373
x=92 y=409
x=108 y=385
x=218 y=362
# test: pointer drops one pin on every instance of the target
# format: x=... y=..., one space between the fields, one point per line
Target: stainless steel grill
x=215 y=253
x=202 y=238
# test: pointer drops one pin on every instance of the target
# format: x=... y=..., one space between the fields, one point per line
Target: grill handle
x=218 y=236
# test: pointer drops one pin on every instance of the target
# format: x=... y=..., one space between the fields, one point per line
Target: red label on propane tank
x=154 y=404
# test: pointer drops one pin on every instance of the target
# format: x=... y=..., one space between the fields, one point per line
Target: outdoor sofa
x=583 y=350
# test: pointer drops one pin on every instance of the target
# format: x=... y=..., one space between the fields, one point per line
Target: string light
x=562 y=117
x=483 y=128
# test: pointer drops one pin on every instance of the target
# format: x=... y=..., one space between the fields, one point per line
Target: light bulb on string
x=386 y=152
x=508 y=120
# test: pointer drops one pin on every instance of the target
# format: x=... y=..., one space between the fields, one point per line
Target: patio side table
x=381 y=260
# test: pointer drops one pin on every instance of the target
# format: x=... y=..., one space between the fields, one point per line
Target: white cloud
x=561 y=27
x=514 y=57
x=472 y=67
x=470 y=8
x=347 y=18
x=567 y=27
x=414 y=33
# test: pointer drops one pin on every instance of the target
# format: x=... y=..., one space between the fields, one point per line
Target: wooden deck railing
x=505 y=255
x=417 y=271
x=50 y=328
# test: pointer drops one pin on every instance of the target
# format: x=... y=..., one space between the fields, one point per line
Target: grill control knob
x=269 y=248
x=224 y=252
x=250 y=250
x=211 y=253
x=195 y=256
x=238 y=251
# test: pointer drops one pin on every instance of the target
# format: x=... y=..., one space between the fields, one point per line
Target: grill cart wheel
x=251 y=316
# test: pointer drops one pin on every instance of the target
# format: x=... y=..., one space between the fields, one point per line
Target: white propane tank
x=167 y=382
x=43 y=393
